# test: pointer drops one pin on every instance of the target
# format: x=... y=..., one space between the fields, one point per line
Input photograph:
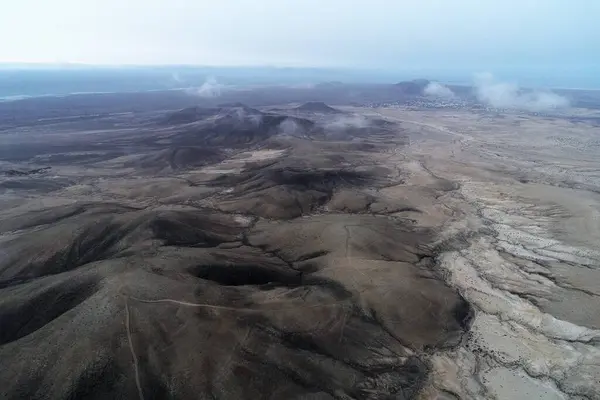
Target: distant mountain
x=414 y=87
x=236 y=104
x=318 y=107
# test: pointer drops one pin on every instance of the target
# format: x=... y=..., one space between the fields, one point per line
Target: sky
x=381 y=34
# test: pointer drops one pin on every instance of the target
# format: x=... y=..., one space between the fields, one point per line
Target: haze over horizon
x=379 y=34
x=532 y=42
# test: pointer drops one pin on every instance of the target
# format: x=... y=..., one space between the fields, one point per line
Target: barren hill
x=233 y=253
x=317 y=107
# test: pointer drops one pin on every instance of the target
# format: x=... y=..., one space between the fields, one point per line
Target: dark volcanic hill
x=218 y=253
x=317 y=107
x=194 y=114
x=232 y=126
x=231 y=131
x=298 y=190
x=176 y=158
x=413 y=88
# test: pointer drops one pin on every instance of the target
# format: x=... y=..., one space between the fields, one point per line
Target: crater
x=241 y=275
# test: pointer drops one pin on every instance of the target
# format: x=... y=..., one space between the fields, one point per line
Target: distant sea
x=18 y=83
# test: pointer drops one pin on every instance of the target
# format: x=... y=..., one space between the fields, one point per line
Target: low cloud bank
x=508 y=95
x=290 y=127
x=348 y=121
x=435 y=89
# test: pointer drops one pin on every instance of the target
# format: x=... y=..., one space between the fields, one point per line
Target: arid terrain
x=299 y=250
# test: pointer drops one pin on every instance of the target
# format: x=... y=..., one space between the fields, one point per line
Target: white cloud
x=436 y=89
x=210 y=88
x=508 y=95
x=290 y=127
x=347 y=121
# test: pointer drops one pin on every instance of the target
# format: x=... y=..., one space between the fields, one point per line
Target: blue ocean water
x=20 y=83
x=16 y=83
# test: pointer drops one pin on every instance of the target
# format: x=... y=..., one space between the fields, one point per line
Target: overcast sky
x=353 y=33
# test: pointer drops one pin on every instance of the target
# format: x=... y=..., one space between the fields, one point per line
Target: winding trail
x=202 y=305
x=131 y=348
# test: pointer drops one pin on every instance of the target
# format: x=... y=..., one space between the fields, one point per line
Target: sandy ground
x=529 y=191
